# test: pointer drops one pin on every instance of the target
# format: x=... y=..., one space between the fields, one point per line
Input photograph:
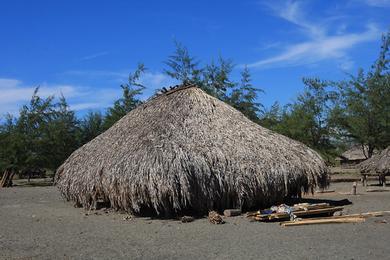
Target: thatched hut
x=188 y=151
x=378 y=165
x=353 y=156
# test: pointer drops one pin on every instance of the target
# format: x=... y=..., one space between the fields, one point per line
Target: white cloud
x=15 y=93
x=94 y=56
x=320 y=45
x=329 y=47
x=292 y=11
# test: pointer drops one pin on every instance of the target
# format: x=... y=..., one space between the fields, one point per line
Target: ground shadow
x=342 y=202
x=33 y=182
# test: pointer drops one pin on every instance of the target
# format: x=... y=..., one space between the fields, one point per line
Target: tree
x=42 y=137
x=216 y=78
x=364 y=110
x=244 y=97
x=308 y=119
x=32 y=130
x=91 y=126
x=182 y=66
x=9 y=144
x=129 y=99
x=62 y=132
x=272 y=117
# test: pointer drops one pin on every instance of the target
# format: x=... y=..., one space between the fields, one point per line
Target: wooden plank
x=361 y=215
x=325 y=191
x=323 y=221
x=231 y=212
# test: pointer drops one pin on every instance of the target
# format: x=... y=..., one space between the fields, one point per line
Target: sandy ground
x=35 y=223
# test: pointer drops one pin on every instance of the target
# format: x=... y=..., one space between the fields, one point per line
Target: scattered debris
x=284 y=212
x=187 y=219
x=231 y=212
x=383 y=221
x=128 y=217
x=215 y=218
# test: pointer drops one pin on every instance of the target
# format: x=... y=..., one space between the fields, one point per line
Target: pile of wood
x=310 y=214
x=297 y=211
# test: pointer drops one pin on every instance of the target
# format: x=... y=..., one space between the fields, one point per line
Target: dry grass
x=188 y=151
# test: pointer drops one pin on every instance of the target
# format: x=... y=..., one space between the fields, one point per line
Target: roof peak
x=175 y=88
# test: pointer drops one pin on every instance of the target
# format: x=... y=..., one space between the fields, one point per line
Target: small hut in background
x=183 y=151
x=378 y=165
x=352 y=157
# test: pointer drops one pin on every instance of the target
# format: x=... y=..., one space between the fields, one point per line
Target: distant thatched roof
x=355 y=153
x=186 y=150
x=379 y=163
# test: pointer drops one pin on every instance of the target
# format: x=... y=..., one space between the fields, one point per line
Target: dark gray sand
x=35 y=223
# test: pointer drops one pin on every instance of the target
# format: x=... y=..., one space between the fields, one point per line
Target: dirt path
x=35 y=223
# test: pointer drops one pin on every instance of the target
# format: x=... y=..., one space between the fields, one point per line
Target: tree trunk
x=370 y=150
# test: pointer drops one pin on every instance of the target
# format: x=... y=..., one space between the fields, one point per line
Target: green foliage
x=244 y=97
x=32 y=129
x=129 y=99
x=309 y=119
x=91 y=126
x=42 y=137
x=62 y=134
x=215 y=79
x=9 y=143
x=364 y=104
x=182 y=66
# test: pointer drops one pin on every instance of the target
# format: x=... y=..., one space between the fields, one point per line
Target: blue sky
x=85 y=49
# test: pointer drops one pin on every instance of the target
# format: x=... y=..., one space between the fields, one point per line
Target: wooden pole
x=324 y=221
x=354 y=188
x=364 y=180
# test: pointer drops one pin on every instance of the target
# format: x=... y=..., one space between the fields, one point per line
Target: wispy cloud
x=115 y=76
x=377 y=3
x=293 y=12
x=151 y=79
x=15 y=93
x=319 y=45
x=94 y=56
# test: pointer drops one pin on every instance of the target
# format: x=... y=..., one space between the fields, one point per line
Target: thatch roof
x=186 y=150
x=379 y=163
x=355 y=153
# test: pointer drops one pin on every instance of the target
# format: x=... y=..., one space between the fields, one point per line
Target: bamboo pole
x=324 y=221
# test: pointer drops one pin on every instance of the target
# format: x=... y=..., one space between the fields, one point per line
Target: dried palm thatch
x=379 y=163
x=187 y=151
